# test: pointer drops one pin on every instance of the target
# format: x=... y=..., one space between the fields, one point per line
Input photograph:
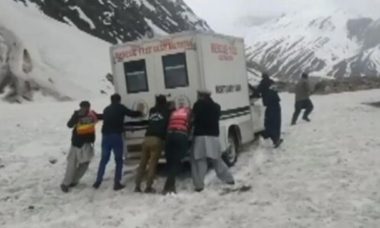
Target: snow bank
x=66 y=62
x=326 y=174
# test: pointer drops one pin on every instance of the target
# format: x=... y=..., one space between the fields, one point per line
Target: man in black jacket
x=153 y=143
x=272 y=121
x=113 y=125
x=82 y=149
x=206 y=115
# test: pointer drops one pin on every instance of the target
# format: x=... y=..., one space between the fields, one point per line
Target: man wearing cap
x=206 y=114
x=82 y=149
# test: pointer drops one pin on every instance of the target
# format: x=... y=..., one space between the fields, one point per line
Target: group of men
x=271 y=100
x=172 y=128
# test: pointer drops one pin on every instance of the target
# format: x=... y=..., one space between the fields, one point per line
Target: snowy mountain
x=123 y=20
x=332 y=43
x=43 y=50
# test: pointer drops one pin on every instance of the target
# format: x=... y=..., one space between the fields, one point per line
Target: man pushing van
x=153 y=144
x=206 y=114
x=113 y=122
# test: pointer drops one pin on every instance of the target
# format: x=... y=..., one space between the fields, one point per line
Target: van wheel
x=231 y=155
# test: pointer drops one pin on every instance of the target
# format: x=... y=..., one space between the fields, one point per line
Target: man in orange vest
x=177 y=144
x=82 y=149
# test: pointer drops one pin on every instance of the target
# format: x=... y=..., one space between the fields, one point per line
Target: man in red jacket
x=177 y=144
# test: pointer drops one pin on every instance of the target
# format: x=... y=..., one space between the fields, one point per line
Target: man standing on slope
x=82 y=149
x=303 y=92
x=206 y=114
x=153 y=143
x=113 y=123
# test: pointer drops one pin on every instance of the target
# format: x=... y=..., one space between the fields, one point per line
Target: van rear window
x=175 y=71
x=136 y=77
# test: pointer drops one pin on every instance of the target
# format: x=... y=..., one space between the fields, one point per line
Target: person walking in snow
x=112 y=140
x=82 y=149
x=272 y=119
x=303 y=92
x=206 y=114
x=177 y=144
x=153 y=143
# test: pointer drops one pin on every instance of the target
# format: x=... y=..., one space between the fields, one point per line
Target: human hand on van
x=141 y=108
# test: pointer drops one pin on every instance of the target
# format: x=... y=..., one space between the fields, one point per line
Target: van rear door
x=177 y=73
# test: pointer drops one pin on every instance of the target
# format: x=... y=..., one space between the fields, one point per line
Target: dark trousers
x=299 y=106
x=272 y=123
x=175 y=150
x=111 y=142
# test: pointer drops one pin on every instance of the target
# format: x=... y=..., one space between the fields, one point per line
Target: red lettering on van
x=163 y=46
x=224 y=52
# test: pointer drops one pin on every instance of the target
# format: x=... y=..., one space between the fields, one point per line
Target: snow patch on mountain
x=123 y=20
x=333 y=43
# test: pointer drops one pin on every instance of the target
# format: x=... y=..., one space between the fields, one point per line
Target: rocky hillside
x=41 y=57
x=123 y=20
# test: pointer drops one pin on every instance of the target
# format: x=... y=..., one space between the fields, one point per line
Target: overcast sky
x=222 y=15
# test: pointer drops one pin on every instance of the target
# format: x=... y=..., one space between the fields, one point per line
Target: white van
x=178 y=66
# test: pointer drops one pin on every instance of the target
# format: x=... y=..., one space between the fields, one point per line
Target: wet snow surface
x=326 y=174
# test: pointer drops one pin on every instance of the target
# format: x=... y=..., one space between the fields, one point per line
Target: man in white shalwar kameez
x=206 y=146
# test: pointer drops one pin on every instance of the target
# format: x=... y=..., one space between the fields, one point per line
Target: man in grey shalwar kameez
x=206 y=146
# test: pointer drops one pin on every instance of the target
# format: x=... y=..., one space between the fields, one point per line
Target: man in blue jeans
x=113 y=121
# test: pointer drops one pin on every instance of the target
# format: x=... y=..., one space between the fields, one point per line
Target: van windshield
x=135 y=75
x=175 y=71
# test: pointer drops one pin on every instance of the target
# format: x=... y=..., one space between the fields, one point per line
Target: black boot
x=138 y=189
x=65 y=188
x=96 y=185
x=72 y=185
x=117 y=186
x=278 y=143
x=150 y=190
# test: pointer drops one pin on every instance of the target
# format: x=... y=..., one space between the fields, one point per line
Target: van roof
x=174 y=35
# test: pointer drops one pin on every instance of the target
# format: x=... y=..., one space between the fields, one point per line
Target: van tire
x=231 y=155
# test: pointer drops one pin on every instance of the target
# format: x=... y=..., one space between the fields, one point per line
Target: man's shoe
x=118 y=187
x=231 y=183
x=278 y=143
x=138 y=189
x=65 y=188
x=96 y=185
x=307 y=119
x=72 y=185
x=168 y=191
x=150 y=190
x=199 y=189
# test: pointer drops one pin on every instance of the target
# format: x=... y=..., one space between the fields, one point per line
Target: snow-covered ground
x=326 y=174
